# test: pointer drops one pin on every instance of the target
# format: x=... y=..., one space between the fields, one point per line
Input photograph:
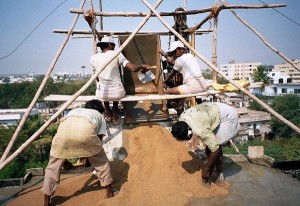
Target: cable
x=283 y=14
x=33 y=30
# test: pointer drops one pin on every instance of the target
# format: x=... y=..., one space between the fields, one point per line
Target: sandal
x=116 y=120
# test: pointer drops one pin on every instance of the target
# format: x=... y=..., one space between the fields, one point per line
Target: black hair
x=180 y=131
x=103 y=45
x=95 y=104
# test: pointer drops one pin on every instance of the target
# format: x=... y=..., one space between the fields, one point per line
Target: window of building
x=297 y=91
x=289 y=80
x=284 y=90
x=280 y=80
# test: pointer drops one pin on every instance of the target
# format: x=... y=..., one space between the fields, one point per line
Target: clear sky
x=234 y=41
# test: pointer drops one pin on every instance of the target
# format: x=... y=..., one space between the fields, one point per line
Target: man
x=79 y=135
x=214 y=124
x=185 y=64
x=109 y=86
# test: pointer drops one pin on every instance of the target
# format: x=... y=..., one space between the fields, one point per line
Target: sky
x=234 y=40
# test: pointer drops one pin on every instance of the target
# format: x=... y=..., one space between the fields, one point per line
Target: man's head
x=180 y=130
x=177 y=49
x=106 y=42
x=95 y=104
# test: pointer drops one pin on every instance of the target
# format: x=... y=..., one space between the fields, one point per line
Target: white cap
x=106 y=39
x=175 y=45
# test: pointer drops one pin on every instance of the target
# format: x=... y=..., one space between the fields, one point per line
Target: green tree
x=291 y=149
x=289 y=107
x=255 y=106
x=260 y=75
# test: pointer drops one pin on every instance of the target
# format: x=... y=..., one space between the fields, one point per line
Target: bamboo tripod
x=214 y=11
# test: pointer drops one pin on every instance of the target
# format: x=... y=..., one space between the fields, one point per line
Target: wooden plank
x=130 y=98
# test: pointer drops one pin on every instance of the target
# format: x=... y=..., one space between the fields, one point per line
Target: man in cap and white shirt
x=109 y=84
x=186 y=64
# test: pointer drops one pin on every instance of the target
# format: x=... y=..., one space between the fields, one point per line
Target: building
x=13 y=116
x=289 y=70
x=281 y=83
x=252 y=124
x=239 y=71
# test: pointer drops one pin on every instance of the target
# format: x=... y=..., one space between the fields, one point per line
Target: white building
x=239 y=71
x=290 y=70
x=13 y=116
x=281 y=83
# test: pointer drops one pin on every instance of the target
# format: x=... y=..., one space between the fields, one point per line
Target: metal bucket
x=146 y=77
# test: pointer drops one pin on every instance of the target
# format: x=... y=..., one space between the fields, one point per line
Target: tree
x=261 y=75
x=289 y=107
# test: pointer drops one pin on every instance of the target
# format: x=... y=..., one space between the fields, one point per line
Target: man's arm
x=170 y=76
x=135 y=68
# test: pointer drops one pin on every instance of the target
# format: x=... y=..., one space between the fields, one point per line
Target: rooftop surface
x=152 y=168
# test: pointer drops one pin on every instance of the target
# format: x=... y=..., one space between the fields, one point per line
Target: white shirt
x=111 y=71
x=188 y=66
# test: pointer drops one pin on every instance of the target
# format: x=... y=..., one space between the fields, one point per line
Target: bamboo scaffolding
x=263 y=39
x=24 y=118
x=190 y=12
x=83 y=88
x=163 y=33
x=269 y=109
x=4 y=161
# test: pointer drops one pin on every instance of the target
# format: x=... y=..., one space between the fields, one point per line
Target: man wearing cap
x=186 y=64
x=79 y=135
x=109 y=84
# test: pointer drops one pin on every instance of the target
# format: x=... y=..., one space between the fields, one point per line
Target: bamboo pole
x=101 y=17
x=93 y=26
x=264 y=40
x=84 y=87
x=190 y=12
x=214 y=49
x=130 y=98
x=269 y=109
x=165 y=33
x=37 y=94
x=196 y=27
